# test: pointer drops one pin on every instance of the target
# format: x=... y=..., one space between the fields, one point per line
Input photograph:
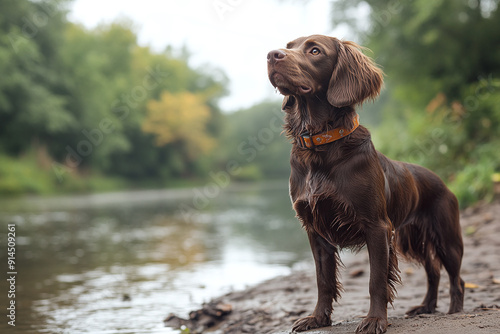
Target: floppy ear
x=288 y=102
x=355 y=77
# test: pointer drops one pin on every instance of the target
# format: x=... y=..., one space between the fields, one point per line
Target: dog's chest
x=320 y=207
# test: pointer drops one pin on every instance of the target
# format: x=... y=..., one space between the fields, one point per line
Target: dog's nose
x=275 y=55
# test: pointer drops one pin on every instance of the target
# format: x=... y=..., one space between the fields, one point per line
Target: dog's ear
x=355 y=77
x=288 y=102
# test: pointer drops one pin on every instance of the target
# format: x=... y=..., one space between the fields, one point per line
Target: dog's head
x=324 y=66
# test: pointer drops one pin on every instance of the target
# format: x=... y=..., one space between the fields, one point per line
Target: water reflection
x=118 y=263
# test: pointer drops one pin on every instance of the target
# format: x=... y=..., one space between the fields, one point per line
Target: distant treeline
x=76 y=102
x=86 y=110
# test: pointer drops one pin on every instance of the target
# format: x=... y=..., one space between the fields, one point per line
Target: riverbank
x=272 y=306
x=26 y=176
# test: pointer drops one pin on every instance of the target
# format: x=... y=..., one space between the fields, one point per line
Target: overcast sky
x=234 y=35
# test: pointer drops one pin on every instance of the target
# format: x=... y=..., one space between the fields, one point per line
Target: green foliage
x=249 y=172
x=441 y=107
x=21 y=176
x=429 y=47
x=83 y=95
x=25 y=175
x=252 y=138
x=81 y=109
x=28 y=99
x=462 y=151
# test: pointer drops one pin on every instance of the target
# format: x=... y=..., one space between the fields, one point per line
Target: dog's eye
x=315 y=51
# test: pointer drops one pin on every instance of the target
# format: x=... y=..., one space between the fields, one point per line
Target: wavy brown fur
x=348 y=195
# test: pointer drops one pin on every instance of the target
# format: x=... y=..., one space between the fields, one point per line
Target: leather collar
x=306 y=140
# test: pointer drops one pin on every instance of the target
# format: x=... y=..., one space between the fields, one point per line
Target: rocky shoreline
x=272 y=306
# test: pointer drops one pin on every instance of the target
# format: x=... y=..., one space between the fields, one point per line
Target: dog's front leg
x=326 y=260
x=378 y=251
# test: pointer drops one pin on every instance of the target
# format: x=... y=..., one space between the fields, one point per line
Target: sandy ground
x=273 y=306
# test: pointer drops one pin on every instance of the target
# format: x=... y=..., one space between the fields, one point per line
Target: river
x=121 y=262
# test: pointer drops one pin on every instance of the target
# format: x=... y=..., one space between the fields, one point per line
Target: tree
x=180 y=119
x=31 y=108
x=442 y=100
x=252 y=138
x=428 y=47
x=78 y=98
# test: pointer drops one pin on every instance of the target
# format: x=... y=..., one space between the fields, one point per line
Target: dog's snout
x=275 y=56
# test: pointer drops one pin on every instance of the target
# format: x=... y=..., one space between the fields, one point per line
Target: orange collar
x=305 y=140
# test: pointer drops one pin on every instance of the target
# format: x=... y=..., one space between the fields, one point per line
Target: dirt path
x=273 y=306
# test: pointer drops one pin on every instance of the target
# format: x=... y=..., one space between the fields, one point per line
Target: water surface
x=119 y=263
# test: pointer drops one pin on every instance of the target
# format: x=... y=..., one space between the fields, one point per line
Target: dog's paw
x=372 y=326
x=420 y=309
x=310 y=322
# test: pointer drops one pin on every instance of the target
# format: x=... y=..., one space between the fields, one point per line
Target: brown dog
x=346 y=194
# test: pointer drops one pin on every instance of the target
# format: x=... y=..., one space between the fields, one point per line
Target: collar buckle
x=306 y=140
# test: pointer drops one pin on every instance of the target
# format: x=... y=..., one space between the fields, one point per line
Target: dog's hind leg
x=452 y=262
x=440 y=242
x=451 y=252
x=414 y=241
x=432 y=268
